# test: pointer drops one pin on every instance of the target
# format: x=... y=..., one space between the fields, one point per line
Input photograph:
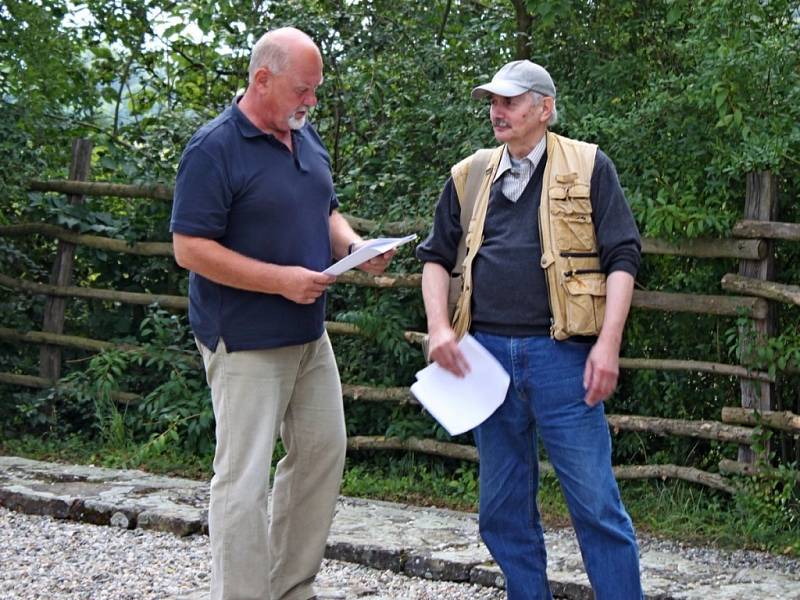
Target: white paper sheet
x=369 y=249
x=460 y=404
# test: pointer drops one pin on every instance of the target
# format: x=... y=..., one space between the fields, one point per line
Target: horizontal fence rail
x=700 y=248
x=333 y=327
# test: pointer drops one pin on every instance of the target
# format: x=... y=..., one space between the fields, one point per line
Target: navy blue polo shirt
x=244 y=189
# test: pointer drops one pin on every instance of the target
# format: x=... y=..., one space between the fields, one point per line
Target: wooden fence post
x=761 y=204
x=61 y=275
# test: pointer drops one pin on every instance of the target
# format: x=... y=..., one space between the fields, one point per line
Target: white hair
x=269 y=53
x=537 y=99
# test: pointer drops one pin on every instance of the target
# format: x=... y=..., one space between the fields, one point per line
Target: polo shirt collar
x=248 y=130
x=246 y=127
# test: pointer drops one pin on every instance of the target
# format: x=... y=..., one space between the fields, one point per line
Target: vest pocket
x=571 y=215
x=585 y=302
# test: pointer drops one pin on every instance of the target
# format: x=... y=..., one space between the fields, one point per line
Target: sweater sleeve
x=618 y=240
x=441 y=245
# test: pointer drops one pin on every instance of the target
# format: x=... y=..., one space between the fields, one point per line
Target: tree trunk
x=522 y=33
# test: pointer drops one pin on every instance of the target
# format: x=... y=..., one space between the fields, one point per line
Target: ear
x=262 y=78
x=547 y=109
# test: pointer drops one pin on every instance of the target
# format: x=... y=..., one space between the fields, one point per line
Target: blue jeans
x=546 y=394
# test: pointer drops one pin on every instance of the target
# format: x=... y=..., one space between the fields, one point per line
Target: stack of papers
x=369 y=249
x=462 y=403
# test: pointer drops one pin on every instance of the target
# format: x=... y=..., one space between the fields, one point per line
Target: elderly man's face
x=293 y=92
x=295 y=97
x=517 y=121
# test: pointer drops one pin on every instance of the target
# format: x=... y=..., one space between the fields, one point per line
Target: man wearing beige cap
x=534 y=251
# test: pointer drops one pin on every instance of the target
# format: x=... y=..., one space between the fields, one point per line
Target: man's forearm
x=342 y=235
x=435 y=288
x=619 y=292
x=222 y=265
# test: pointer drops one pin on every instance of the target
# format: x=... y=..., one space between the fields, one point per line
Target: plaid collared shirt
x=517 y=173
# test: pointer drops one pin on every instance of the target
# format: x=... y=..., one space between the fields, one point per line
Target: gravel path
x=43 y=558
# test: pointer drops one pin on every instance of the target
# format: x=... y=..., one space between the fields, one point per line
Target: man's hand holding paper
x=462 y=403
x=445 y=351
x=371 y=256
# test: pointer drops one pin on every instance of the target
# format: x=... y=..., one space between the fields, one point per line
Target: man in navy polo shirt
x=255 y=221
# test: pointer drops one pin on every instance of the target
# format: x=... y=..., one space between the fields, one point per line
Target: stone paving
x=424 y=542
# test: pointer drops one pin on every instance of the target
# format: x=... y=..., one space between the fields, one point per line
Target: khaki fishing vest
x=576 y=285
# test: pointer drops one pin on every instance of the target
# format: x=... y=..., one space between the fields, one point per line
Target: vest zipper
x=578 y=254
x=581 y=272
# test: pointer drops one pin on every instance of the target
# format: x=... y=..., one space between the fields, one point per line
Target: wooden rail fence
x=751 y=246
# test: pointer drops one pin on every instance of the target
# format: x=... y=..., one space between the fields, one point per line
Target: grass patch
x=421 y=483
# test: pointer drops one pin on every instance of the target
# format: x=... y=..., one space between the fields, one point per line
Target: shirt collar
x=246 y=127
x=534 y=156
x=248 y=130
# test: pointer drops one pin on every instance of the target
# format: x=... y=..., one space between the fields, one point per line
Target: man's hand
x=601 y=372
x=304 y=286
x=444 y=350
x=602 y=366
x=377 y=264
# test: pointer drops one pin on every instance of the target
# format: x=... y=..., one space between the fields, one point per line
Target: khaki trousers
x=257 y=554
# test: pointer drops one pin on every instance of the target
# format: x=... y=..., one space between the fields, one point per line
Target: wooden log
x=690 y=474
x=43 y=383
x=728 y=306
x=446 y=449
x=672 y=364
x=387 y=280
x=708 y=430
x=336 y=328
x=26 y=380
x=770 y=290
x=91 y=241
x=395 y=228
x=761 y=204
x=401 y=395
x=82 y=343
x=707 y=248
x=156 y=191
x=165 y=300
x=61 y=273
x=414 y=337
x=767 y=229
x=56 y=339
x=784 y=420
